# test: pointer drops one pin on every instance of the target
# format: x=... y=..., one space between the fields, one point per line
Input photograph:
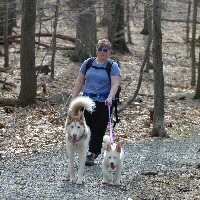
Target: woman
x=102 y=89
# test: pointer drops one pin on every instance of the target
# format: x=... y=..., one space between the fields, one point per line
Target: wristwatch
x=113 y=98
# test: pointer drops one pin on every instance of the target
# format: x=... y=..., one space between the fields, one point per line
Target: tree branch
x=128 y=103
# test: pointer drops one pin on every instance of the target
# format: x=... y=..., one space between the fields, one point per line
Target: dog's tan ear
x=70 y=116
x=81 y=116
x=118 y=148
x=108 y=148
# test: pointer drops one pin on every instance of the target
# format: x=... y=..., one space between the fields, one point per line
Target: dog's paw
x=72 y=180
x=107 y=180
x=79 y=182
x=104 y=181
x=117 y=182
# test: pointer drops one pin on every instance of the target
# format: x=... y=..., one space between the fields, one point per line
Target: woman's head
x=103 y=49
x=104 y=43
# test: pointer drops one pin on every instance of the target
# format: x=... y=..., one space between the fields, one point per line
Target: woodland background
x=39 y=127
x=41 y=63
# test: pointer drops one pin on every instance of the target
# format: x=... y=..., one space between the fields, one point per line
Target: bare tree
x=128 y=21
x=133 y=97
x=54 y=39
x=188 y=21
x=158 y=117
x=145 y=30
x=106 y=13
x=11 y=15
x=148 y=8
x=28 y=88
x=116 y=26
x=193 y=42
x=1 y=17
x=197 y=92
x=5 y=35
x=86 y=34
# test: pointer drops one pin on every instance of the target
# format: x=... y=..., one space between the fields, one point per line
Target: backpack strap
x=109 y=68
x=116 y=101
x=115 y=104
x=89 y=63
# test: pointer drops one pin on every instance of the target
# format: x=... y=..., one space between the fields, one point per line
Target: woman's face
x=103 y=53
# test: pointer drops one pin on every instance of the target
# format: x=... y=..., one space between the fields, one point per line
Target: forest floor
x=32 y=130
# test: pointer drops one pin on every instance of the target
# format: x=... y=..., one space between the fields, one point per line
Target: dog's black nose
x=112 y=164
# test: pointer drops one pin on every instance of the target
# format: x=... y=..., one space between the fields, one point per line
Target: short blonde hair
x=104 y=43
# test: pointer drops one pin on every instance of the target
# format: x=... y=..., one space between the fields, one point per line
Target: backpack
x=117 y=95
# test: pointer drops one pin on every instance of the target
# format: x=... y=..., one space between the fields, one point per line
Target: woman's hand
x=109 y=100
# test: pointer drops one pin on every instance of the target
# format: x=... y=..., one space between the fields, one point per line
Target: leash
x=110 y=123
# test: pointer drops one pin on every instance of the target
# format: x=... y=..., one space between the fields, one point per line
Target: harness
x=78 y=139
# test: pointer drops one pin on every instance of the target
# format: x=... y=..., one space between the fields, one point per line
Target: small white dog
x=113 y=159
x=77 y=135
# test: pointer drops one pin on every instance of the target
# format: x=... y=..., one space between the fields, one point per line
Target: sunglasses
x=101 y=49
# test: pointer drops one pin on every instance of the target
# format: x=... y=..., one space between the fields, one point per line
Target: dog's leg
x=118 y=172
x=106 y=176
x=82 y=159
x=71 y=165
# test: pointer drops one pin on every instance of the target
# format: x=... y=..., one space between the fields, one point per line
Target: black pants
x=97 y=122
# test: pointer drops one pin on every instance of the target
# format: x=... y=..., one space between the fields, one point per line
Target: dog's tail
x=81 y=102
x=106 y=140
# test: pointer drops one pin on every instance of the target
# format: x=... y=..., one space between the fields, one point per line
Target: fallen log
x=58 y=48
x=63 y=37
x=5 y=70
x=12 y=102
x=8 y=101
x=8 y=83
x=18 y=41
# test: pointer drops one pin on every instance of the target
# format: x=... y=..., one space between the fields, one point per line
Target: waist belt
x=99 y=95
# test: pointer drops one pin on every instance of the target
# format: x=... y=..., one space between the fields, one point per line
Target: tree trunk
x=145 y=30
x=40 y=8
x=86 y=35
x=197 y=92
x=5 y=35
x=11 y=4
x=188 y=22
x=28 y=88
x=158 y=118
x=54 y=40
x=132 y=99
x=116 y=33
x=12 y=15
x=128 y=22
x=149 y=65
x=193 y=42
x=106 y=13
x=1 y=18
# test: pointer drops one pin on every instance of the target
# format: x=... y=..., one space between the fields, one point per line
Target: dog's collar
x=78 y=139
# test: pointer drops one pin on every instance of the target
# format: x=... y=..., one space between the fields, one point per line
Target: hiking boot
x=90 y=159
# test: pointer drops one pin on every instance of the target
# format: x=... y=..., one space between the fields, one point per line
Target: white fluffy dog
x=77 y=135
x=113 y=159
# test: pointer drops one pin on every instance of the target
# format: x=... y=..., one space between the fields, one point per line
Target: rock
x=150 y=173
x=198 y=166
x=59 y=98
